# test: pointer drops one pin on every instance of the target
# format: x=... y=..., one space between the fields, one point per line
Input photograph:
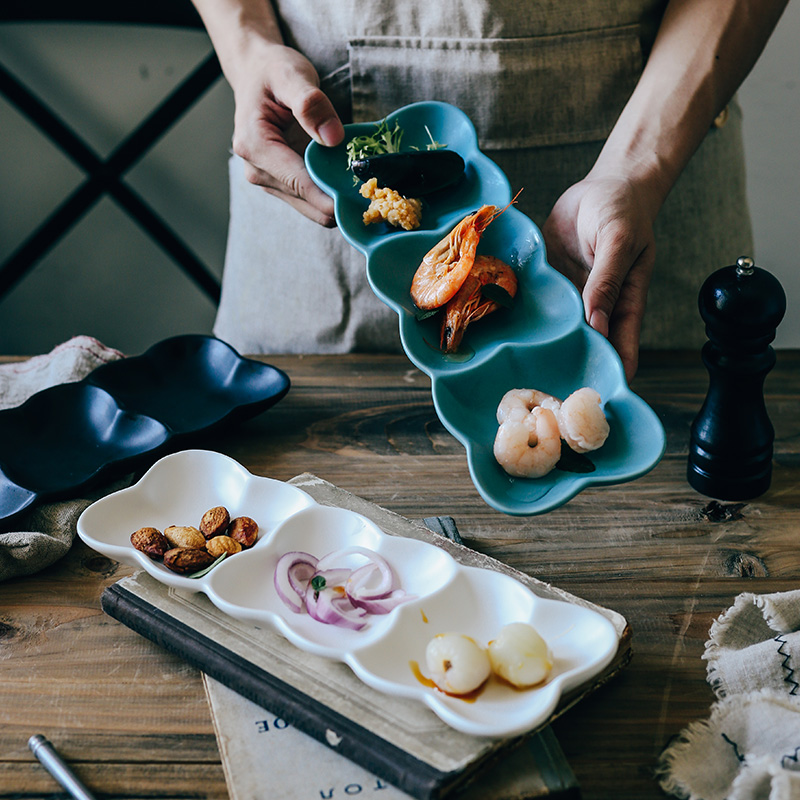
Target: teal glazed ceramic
x=542 y=342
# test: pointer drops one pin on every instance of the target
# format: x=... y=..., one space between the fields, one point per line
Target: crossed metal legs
x=106 y=177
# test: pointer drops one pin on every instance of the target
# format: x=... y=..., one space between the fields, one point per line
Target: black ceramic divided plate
x=126 y=413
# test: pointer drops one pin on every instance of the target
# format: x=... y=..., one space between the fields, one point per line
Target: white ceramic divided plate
x=446 y=596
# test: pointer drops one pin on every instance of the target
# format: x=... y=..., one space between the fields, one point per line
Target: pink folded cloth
x=45 y=533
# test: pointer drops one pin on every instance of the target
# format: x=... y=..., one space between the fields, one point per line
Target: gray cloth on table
x=749 y=747
x=45 y=533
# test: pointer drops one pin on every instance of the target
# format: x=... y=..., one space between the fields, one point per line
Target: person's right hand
x=279 y=109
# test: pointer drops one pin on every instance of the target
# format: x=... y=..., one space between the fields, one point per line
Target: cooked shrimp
x=469 y=305
x=446 y=265
x=528 y=446
x=581 y=420
x=518 y=403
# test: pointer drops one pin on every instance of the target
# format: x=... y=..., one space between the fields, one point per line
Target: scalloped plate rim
x=576 y=483
x=215 y=463
x=172 y=437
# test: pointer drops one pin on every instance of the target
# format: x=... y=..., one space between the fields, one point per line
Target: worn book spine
x=414 y=777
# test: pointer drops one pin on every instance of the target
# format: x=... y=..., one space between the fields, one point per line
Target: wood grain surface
x=134 y=723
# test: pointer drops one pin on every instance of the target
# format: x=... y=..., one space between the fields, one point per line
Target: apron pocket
x=528 y=92
x=337 y=86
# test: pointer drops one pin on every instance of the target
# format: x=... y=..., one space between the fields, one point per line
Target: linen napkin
x=45 y=533
x=749 y=747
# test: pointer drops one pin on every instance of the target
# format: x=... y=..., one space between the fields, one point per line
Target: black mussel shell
x=414 y=173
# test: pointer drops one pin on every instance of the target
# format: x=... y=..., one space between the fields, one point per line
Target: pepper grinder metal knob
x=730 y=448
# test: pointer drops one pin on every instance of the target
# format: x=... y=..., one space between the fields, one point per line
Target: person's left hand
x=600 y=236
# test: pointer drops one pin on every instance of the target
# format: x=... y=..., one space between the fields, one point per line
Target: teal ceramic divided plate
x=542 y=342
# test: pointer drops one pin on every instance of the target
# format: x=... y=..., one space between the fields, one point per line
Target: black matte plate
x=125 y=414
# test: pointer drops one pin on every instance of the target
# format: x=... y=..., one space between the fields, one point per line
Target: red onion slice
x=337 y=556
x=382 y=605
x=333 y=577
x=299 y=576
x=292 y=573
x=344 y=596
x=334 y=608
x=359 y=586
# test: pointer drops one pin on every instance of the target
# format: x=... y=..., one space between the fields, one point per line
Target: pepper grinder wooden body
x=731 y=443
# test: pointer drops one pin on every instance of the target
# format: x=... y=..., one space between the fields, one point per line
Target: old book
x=263 y=756
x=399 y=741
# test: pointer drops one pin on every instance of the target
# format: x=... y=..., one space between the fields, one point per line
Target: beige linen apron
x=543 y=81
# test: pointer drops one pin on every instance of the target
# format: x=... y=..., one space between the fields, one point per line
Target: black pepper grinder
x=730 y=449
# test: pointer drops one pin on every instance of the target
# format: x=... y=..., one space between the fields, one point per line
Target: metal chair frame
x=106 y=176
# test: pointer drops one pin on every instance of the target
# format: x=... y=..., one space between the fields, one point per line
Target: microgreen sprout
x=317 y=584
x=382 y=140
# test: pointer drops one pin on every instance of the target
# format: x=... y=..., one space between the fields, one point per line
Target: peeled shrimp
x=581 y=420
x=469 y=305
x=518 y=403
x=446 y=265
x=533 y=423
x=528 y=446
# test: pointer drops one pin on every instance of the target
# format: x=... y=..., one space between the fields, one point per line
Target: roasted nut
x=185 y=536
x=222 y=544
x=244 y=530
x=214 y=522
x=186 y=560
x=150 y=541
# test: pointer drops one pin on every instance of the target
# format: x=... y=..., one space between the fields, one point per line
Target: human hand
x=600 y=236
x=279 y=109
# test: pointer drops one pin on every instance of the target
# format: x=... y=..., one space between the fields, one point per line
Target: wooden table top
x=133 y=721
